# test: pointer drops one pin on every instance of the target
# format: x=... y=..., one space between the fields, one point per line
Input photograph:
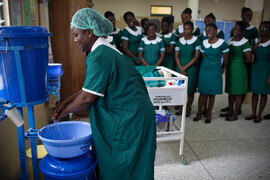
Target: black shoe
x=224 y=115
x=250 y=118
x=225 y=109
x=196 y=119
x=257 y=121
x=229 y=119
x=178 y=113
x=207 y=121
x=266 y=117
x=240 y=111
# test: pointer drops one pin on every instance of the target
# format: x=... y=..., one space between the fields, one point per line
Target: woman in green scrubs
x=250 y=33
x=169 y=40
x=211 y=18
x=115 y=37
x=236 y=71
x=121 y=114
x=260 y=72
x=131 y=38
x=187 y=53
x=186 y=17
x=210 y=75
x=151 y=48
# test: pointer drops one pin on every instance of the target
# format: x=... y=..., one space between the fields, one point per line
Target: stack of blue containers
x=69 y=157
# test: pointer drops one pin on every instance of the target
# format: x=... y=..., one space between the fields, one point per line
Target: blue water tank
x=24 y=64
x=79 y=168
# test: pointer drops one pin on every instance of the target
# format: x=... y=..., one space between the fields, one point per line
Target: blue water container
x=54 y=76
x=79 y=168
x=24 y=64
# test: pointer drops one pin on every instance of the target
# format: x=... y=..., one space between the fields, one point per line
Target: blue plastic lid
x=23 y=31
x=68 y=167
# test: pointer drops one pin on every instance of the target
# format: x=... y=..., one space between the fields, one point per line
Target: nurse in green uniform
x=131 y=37
x=260 y=72
x=121 y=114
x=151 y=48
x=211 y=69
x=210 y=18
x=116 y=34
x=169 y=40
x=236 y=71
x=144 y=23
x=186 y=16
x=251 y=32
x=187 y=53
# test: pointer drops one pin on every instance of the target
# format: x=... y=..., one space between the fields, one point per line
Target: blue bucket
x=66 y=139
x=23 y=64
x=79 y=168
x=54 y=76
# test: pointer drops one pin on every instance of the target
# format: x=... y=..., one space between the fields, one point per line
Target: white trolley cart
x=169 y=96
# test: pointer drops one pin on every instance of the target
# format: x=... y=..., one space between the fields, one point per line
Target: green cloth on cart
x=151 y=71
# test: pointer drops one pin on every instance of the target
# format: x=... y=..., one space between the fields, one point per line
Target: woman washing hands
x=121 y=114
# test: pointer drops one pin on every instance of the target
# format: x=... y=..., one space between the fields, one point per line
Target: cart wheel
x=183 y=160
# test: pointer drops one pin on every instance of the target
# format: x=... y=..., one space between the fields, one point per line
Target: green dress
x=133 y=38
x=236 y=70
x=151 y=49
x=210 y=75
x=196 y=31
x=122 y=117
x=220 y=35
x=250 y=33
x=260 y=69
x=117 y=37
x=168 y=39
x=187 y=49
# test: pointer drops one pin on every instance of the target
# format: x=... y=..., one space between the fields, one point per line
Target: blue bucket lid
x=68 y=167
x=23 y=31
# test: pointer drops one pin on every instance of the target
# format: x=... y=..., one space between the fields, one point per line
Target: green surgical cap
x=88 y=18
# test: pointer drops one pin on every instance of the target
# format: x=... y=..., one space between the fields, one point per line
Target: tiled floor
x=219 y=150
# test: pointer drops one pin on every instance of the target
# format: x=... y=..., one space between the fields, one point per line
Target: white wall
x=223 y=10
x=266 y=7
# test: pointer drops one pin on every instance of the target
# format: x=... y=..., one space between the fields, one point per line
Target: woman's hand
x=59 y=111
x=268 y=81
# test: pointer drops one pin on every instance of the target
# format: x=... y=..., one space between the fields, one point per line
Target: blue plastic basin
x=66 y=139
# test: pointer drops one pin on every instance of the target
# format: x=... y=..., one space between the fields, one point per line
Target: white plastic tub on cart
x=171 y=95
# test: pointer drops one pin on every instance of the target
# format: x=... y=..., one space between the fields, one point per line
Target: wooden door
x=64 y=49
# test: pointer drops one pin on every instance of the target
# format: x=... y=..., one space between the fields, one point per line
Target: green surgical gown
x=122 y=117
